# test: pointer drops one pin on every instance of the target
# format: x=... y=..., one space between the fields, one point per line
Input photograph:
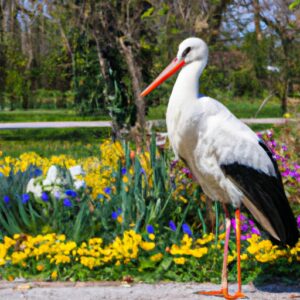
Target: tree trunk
x=256 y=7
x=215 y=21
x=102 y=66
x=136 y=77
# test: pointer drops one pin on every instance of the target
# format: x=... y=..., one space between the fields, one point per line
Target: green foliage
x=244 y=82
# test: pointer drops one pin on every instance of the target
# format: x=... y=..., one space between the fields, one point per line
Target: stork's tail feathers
x=266 y=201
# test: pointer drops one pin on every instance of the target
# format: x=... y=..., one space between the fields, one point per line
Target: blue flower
x=123 y=171
x=107 y=190
x=38 y=172
x=67 y=202
x=150 y=229
x=115 y=214
x=6 y=199
x=45 y=197
x=25 y=198
x=186 y=229
x=172 y=225
x=57 y=194
x=142 y=171
x=71 y=193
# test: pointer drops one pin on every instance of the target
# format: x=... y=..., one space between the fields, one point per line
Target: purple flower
x=67 y=202
x=244 y=227
x=142 y=171
x=186 y=229
x=251 y=222
x=186 y=171
x=150 y=229
x=107 y=190
x=123 y=171
x=70 y=193
x=245 y=237
x=57 y=194
x=298 y=221
x=6 y=199
x=173 y=164
x=172 y=225
x=254 y=230
x=25 y=198
x=284 y=147
x=45 y=197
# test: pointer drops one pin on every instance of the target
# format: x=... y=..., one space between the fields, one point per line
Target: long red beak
x=172 y=68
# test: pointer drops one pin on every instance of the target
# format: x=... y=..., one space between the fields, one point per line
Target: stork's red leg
x=224 y=286
x=239 y=293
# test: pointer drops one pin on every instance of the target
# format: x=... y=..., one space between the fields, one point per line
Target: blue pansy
x=67 y=202
x=172 y=225
x=45 y=197
x=123 y=171
x=186 y=229
x=150 y=229
x=6 y=199
x=25 y=198
x=107 y=190
x=71 y=193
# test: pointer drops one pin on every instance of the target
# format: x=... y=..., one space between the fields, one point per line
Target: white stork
x=229 y=161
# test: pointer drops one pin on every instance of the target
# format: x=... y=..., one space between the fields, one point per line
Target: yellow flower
x=119 y=219
x=125 y=179
x=179 y=260
x=151 y=236
x=230 y=258
x=54 y=275
x=147 y=246
x=156 y=257
x=244 y=256
x=40 y=267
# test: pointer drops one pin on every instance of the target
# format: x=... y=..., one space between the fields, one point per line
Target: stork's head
x=190 y=50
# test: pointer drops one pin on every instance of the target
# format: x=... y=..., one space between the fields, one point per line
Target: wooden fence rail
x=157 y=123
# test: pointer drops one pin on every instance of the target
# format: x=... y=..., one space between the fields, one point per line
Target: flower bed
x=122 y=213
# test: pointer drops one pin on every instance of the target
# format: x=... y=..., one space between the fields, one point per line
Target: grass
x=78 y=142
x=240 y=107
x=83 y=142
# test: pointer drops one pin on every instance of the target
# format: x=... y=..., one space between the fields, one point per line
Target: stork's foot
x=211 y=293
x=237 y=295
x=223 y=293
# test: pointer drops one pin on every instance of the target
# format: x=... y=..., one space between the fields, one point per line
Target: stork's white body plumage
x=205 y=134
x=225 y=156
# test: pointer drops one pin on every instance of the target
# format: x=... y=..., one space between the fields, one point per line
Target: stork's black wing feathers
x=266 y=193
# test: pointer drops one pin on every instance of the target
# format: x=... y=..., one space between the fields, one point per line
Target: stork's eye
x=186 y=51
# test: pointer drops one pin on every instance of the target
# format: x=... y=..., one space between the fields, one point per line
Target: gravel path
x=140 y=291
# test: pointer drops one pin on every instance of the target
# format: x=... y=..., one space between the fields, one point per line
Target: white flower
x=79 y=184
x=34 y=187
x=76 y=170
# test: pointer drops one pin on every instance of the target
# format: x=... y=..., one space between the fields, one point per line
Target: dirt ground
x=139 y=291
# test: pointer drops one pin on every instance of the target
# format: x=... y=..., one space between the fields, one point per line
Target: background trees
x=96 y=56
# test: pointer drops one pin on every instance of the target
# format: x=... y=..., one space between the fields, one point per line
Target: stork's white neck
x=187 y=84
